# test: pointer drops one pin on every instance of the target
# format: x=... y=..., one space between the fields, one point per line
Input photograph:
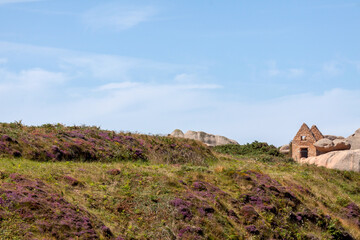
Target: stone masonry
x=303 y=142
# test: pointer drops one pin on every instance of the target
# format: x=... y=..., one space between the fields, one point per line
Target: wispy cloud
x=117 y=86
x=115 y=17
x=274 y=71
x=156 y=97
x=332 y=68
x=185 y=78
x=162 y=108
x=3 y=60
x=295 y=72
x=193 y=81
x=29 y=80
x=128 y=85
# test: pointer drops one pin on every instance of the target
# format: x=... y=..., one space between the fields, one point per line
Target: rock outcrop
x=354 y=140
x=333 y=137
x=208 y=139
x=343 y=160
x=285 y=149
x=177 y=133
x=326 y=145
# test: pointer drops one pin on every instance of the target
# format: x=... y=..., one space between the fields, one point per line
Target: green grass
x=136 y=203
x=228 y=192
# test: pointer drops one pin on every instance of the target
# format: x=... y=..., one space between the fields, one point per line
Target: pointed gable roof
x=305 y=131
x=316 y=132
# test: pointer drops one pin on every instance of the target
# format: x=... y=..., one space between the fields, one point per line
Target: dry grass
x=195 y=193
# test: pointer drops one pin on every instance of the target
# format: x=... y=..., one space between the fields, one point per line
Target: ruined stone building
x=303 y=142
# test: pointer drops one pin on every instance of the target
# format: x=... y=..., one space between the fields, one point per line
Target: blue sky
x=249 y=70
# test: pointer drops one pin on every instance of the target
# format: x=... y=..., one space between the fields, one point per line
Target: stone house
x=303 y=142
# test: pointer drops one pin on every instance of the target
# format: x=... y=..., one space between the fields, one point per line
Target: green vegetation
x=250 y=149
x=81 y=143
x=166 y=194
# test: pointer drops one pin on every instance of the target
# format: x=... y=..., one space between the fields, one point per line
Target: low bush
x=82 y=143
x=253 y=149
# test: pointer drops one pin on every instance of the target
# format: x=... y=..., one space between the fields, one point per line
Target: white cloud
x=199 y=86
x=117 y=17
x=193 y=81
x=111 y=68
x=3 y=60
x=162 y=108
x=185 y=78
x=122 y=93
x=295 y=72
x=332 y=68
x=30 y=80
x=274 y=71
x=117 y=86
x=131 y=85
x=100 y=66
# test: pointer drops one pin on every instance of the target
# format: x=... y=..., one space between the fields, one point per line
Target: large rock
x=326 y=145
x=341 y=144
x=285 y=149
x=332 y=137
x=177 y=133
x=354 y=140
x=208 y=139
x=343 y=160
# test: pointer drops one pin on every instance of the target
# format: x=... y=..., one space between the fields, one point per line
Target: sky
x=247 y=70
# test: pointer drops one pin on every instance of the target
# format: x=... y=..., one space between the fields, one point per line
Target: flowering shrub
x=61 y=143
x=44 y=212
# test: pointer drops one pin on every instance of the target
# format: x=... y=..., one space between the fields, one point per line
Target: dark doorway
x=303 y=152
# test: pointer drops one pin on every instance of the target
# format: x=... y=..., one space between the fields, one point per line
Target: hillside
x=60 y=182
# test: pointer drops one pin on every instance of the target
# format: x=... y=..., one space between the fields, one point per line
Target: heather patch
x=252 y=229
x=264 y=208
x=109 y=185
x=60 y=143
x=190 y=232
x=114 y=172
x=198 y=206
x=352 y=212
x=72 y=181
x=36 y=210
x=273 y=210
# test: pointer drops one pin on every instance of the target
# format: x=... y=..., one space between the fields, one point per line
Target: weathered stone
x=303 y=142
x=354 y=140
x=333 y=137
x=177 y=133
x=348 y=160
x=285 y=149
x=316 y=132
x=341 y=144
x=208 y=139
x=326 y=145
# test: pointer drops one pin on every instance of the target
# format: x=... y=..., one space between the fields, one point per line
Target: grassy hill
x=60 y=182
